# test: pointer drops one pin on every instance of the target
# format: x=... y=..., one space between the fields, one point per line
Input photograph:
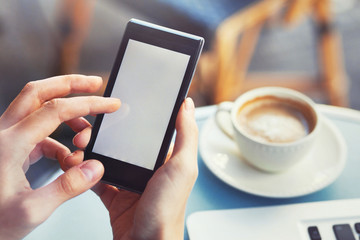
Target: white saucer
x=316 y=171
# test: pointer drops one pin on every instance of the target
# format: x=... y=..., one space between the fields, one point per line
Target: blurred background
x=309 y=45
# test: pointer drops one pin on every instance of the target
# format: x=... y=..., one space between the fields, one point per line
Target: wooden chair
x=224 y=71
x=74 y=22
x=201 y=17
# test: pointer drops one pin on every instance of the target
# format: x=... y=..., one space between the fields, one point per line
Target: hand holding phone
x=160 y=211
x=151 y=76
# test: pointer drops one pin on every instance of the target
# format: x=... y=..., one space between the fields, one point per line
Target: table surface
x=85 y=217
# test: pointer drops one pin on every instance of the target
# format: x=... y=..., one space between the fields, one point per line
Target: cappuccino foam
x=274 y=120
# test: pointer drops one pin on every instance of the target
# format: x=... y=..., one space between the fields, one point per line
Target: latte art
x=274 y=120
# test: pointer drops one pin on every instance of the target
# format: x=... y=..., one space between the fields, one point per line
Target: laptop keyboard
x=325 y=220
x=341 y=232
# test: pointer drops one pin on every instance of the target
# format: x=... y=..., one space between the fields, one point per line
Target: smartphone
x=151 y=76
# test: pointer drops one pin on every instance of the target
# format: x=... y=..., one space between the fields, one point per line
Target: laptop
x=326 y=220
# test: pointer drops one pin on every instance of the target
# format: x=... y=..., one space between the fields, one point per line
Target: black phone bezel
x=123 y=174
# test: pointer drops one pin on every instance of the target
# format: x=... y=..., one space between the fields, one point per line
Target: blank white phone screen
x=147 y=84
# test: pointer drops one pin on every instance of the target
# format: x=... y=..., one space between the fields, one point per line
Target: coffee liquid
x=276 y=120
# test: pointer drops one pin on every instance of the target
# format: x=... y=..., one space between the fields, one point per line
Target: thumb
x=73 y=182
x=183 y=162
x=187 y=130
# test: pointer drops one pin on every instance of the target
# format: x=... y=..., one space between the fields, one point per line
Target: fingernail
x=70 y=154
x=92 y=169
x=189 y=105
x=66 y=159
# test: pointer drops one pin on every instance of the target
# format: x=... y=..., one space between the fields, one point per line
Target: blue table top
x=209 y=192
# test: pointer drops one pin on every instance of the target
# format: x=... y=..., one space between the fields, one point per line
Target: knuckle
x=55 y=106
x=52 y=104
x=66 y=185
x=69 y=78
x=30 y=88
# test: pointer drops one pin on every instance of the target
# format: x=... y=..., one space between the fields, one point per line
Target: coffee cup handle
x=223 y=119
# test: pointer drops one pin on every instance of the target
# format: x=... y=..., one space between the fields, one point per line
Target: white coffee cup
x=273 y=127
